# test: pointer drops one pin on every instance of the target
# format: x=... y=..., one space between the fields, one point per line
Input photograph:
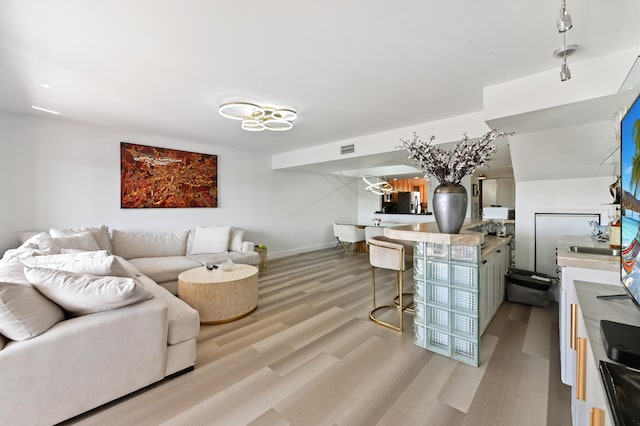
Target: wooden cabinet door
x=487 y=288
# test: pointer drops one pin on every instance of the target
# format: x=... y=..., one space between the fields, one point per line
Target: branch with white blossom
x=450 y=167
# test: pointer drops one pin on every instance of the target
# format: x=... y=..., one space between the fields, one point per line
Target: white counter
x=585 y=260
x=404 y=218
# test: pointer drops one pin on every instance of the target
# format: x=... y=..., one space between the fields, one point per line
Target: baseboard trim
x=299 y=250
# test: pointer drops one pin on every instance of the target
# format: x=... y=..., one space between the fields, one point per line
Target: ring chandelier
x=377 y=185
x=256 y=118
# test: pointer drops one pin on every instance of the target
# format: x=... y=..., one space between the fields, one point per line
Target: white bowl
x=227 y=265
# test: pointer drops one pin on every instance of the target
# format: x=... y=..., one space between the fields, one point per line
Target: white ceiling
x=397 y=164
x=350 y=68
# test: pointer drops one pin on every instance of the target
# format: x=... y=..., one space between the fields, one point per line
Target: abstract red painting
x=166 y=178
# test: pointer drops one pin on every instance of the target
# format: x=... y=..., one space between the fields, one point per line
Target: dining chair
x=372 y=231
x=335 y=234
x=395 y=255
x=349 y=235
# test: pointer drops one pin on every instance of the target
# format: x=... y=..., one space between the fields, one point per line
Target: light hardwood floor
x=310 y=356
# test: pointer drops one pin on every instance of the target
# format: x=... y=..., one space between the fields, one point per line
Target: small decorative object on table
x=599 y=232
x=450 y=197
x=227 y=265
x=376 y=221
x=262 y=251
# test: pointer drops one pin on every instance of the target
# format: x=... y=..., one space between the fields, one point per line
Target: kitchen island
x=458 y=286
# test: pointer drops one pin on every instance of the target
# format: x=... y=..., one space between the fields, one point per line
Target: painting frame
x=154 y=177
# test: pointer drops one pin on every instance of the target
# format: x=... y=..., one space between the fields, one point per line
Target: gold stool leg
x=373 y=285
x=401 y=307
x=372 y=316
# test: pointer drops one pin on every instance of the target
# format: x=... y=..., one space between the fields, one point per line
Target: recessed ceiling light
x=45 y=110
x=46 y=86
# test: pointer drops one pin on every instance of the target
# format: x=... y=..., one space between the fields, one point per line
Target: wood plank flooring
x=310 y=356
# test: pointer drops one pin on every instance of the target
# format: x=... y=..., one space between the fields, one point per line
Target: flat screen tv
x=622 y=341
x=630 y=201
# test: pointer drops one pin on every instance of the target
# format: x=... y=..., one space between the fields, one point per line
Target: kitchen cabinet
x=585 y=267
x=499 y=192
x=492 y=270
x=587 y=392
x=588 y=397
x=579 y=342
x=410 y=185
x=568 y=297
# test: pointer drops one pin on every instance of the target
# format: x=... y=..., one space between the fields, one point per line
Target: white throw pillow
x=95 y=265
x=210 y=239
x=132 y=245
x=21 y=252
x=100 y=234
x=42 y=241
x=24 y=236
x=81 y=241
x=235 y=239
x=72 y=251
x=25 y=313
x=13 y=272
x=79 y=255
x=81 y=294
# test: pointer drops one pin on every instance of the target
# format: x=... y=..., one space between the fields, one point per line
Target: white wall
x=16 y=184
x=60 y=174
x=583 y=195
x=446 y=130
x=563 y=153
x=592 y=78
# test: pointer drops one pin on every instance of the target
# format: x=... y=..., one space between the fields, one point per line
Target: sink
x=603 y=251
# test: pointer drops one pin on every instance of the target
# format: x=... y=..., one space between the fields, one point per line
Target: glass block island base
x=458 y=287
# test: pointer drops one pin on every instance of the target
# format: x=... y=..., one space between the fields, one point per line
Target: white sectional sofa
x=163 y=256
x=64 y=351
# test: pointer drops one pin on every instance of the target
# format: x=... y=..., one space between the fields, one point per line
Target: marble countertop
x=594 y=310
x=396 y=213
x=585 y=260
x=492 y=243
x=428 y=232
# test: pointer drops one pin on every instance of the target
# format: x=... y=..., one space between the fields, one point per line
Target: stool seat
x=395 y=255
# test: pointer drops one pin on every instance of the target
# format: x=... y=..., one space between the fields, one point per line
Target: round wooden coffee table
x=220 y=296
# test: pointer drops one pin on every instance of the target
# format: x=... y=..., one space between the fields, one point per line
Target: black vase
x=450 y=207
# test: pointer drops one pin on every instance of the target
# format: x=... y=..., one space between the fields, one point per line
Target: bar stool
x=395 y=255
x=372 y=231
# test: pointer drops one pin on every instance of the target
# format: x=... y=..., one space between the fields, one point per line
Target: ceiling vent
x=347 y=149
